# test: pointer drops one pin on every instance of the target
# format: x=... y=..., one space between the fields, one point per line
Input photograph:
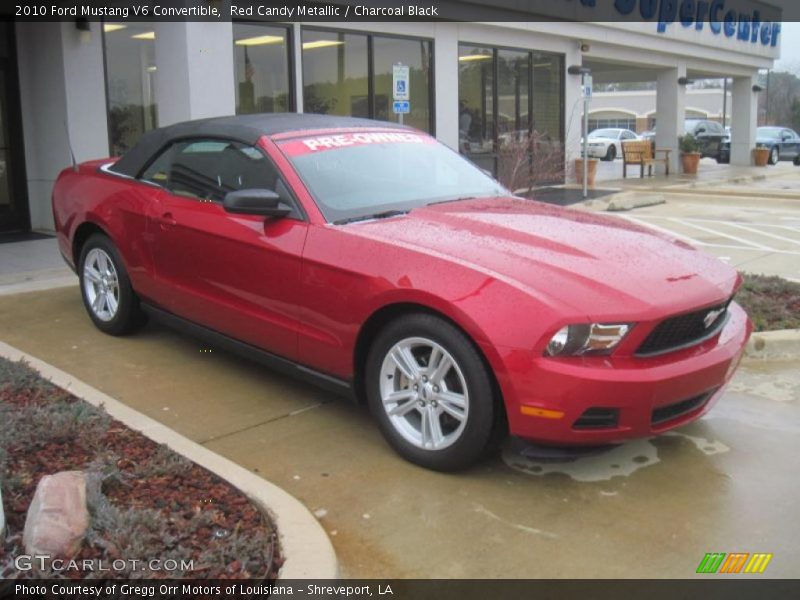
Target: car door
x=236 y=274
x=625 y=136
x=790 y=144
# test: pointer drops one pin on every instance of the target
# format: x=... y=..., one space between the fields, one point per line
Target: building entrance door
x=14 y=214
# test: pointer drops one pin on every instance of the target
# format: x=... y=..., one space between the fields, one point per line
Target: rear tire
x=774 y=155
x=431 y=393
x=797 y=161
x=106 y=289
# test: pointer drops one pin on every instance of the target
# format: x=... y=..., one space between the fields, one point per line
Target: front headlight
x=587 y=339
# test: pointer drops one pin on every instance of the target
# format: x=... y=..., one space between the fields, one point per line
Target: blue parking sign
x=401 y=107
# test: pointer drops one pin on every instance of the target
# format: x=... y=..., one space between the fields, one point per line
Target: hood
x=606 y=140
x=600 y=265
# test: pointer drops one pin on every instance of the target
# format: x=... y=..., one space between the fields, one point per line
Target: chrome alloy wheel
x=101 y=284
x=424 y=393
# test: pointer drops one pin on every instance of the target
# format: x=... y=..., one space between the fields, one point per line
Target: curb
x=305 y=546
x=630 y=200
x=780 y=344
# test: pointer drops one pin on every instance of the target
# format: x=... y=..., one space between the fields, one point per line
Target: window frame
x=291 y=63
x=371 y=66
x=298 y=212
x=496 y=49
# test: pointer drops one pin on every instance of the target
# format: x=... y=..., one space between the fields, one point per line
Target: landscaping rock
x=57 y=517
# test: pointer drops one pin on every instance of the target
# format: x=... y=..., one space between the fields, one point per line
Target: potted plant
x=591 y=171
x=760 y=156
x=690 y=157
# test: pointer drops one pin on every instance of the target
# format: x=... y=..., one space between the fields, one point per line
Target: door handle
x=166 y=221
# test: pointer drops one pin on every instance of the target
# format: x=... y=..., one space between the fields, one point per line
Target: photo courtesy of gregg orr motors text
x=199 y=589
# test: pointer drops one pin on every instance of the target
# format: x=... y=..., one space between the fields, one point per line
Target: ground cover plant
x=145 y=502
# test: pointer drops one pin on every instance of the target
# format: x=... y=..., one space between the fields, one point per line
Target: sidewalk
x=781 y=180
x=32 y=265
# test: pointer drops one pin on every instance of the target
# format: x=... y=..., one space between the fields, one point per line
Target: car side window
x=206 y=170
x=715 y=128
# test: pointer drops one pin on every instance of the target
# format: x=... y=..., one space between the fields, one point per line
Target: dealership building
x=476 y=86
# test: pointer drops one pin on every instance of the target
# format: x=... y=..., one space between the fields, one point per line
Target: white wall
x=194 y=79
x=61 y=82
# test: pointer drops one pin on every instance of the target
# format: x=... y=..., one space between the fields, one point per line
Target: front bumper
x=648 y=395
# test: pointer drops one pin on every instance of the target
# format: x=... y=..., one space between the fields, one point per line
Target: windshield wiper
x=451 y=200
x=379 y=215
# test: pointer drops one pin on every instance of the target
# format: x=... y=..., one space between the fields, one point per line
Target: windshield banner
x=344 y=140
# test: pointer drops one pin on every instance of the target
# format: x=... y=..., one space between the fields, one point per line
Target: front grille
x=597 y=418
x=682 y=331
x=662 y=414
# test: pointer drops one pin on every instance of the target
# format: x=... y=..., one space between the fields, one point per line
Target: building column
x=670 y=113
x=573 y=119
x=744 y=120
x=195 y=77
x=63 y=99
x=445 y=67
x=297 y=64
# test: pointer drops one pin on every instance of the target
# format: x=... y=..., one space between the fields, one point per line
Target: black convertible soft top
x=242 y=128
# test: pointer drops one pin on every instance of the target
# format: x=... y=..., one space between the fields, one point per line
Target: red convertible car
x=378 y=262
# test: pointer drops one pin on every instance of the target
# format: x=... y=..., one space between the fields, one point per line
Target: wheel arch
x=82 y=233
x=387 y=313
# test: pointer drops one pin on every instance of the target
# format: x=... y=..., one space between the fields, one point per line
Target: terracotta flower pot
x=591 y=171
x=690 y=161
x=761 y=156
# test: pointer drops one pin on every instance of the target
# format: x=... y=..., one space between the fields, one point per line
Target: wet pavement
x=650 y=508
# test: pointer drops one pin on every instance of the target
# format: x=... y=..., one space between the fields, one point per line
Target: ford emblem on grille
x=711 y=317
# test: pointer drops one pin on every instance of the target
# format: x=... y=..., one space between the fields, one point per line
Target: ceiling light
x=152 y=69
x=109 y=27
x=147 y=35
x=473 y=57
x=321 y=44
x=260 y=40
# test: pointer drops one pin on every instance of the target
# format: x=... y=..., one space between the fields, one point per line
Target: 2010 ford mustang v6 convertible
x=380 y=263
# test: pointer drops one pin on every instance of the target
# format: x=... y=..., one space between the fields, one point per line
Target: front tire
x=106 y=289
x=774 y=155
x=431 y=393
x=611 y=153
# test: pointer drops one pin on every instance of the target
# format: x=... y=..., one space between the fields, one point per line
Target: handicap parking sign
x=400 y=82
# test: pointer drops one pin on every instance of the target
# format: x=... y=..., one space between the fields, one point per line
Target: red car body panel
x=509 y=272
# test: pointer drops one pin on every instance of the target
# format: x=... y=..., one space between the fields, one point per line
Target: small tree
x=530 y=160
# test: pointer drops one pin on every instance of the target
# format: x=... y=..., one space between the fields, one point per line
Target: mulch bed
x=771 y=302
x=145 y=501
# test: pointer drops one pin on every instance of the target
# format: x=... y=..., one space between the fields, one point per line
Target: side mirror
x=700 y=130
x=265 y=203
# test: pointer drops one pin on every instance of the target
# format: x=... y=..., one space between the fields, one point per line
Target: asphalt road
x=650 y=508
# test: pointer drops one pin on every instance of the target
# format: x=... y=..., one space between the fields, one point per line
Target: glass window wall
x=130 y=62
x=261 y=69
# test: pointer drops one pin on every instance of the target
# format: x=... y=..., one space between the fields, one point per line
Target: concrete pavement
x=754 y=225
x=651 y=508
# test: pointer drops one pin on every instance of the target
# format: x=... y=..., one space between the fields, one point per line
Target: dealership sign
x=720 y=17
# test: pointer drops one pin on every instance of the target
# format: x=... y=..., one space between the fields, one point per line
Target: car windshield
x=364 y=174
x=769 y=132
x=605 y=133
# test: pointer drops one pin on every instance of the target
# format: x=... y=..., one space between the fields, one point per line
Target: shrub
x=688 y=144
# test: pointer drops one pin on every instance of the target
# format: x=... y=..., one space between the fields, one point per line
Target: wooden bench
x=640 y=152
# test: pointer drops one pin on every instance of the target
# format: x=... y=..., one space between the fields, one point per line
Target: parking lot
x=756 y=238
x=650 y=508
